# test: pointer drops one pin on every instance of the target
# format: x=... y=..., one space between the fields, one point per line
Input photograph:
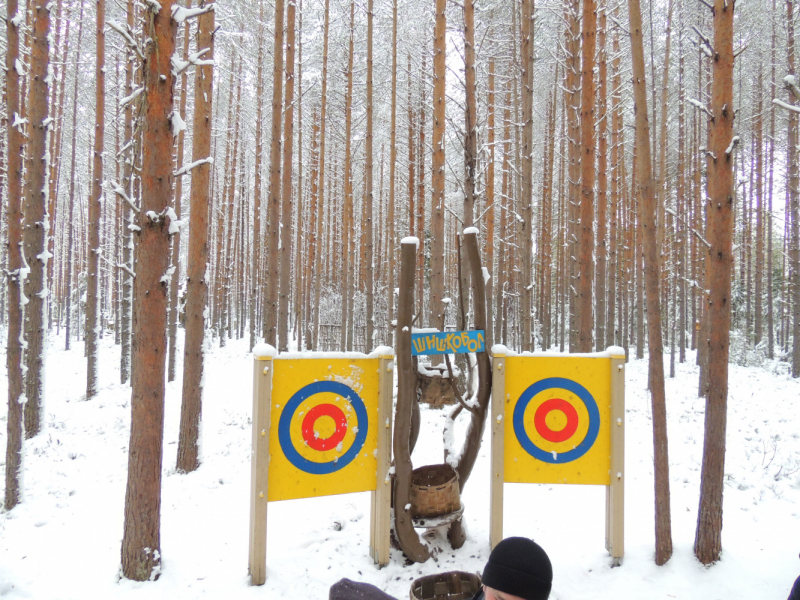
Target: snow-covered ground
x=63 y=542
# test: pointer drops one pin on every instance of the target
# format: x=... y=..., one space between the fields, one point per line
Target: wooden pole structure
x=381 y=500
x=408 y=539
x=497 y=453
x=262 y=391
x=615 y=492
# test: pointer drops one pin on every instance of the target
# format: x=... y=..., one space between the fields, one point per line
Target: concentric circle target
x=557 y=410
x=335 y=418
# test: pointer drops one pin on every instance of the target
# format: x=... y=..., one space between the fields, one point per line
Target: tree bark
x=196 y=285
x=708 y=538
x=14 y=422
x=141 y=542
x=176 y=238
x=647 y=200
x=585 y=264
x=437 y=307
x=392 y=229
x=321 y=187
x=36 y=218
x=526 y=175
x=128 y=215
x=408 y=539
x=794 y=208
x=58 y=100
x=273 y=270
x=255 y=279
x=348 y=268
x=770 y=170
x=490 y=200
x=286 y=191
x=95 y=207
x=227 y=293
x=368 y=193
x=602 y=186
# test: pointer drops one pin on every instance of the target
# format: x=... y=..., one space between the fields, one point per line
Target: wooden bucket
x=434 y=491
x=453 y=585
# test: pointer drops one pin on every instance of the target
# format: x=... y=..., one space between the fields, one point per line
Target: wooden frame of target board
x=560 y=419
x=322 y=425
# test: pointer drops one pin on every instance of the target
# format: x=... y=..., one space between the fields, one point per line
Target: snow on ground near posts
x=64 y=541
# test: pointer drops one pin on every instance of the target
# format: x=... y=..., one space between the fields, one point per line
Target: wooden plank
x=380 y=517
x=615 y=497
x=498 y=448
x=259 y=462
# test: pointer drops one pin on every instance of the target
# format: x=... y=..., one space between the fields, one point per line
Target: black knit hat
x=520 y=567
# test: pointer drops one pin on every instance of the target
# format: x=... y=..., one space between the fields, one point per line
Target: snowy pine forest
x=181 y=182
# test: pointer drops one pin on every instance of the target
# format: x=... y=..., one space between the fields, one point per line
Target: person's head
x=518 y=569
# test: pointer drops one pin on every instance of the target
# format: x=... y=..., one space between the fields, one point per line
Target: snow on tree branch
x=791 y=82
x=18 y=122
x=174 y=222
x=732 y=146
x=180 y=14
x=177 y=123
x=120 y=191
x=179 y=66
x=786 y=105
x=700 y=106
x=131 y=97
x=704 y=43
x=153 y=5
x=123 y=31
x=186 y=168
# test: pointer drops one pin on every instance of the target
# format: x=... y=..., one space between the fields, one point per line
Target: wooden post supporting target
x=560 y=419
x=615 y=492
x=259 y=459
x=321 y=426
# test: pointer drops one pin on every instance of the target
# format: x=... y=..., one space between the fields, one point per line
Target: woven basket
x=453 y=585
x=434 y=491
x=435 y=390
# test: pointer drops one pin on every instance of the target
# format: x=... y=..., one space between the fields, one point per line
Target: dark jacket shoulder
x=347 y=589
x=795 y=594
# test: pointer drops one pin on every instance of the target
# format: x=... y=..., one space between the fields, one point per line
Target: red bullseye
x=539 y=420
x=322 y=410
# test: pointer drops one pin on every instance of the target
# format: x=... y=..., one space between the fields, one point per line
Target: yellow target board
x=560 y=419
x=557 y=413
x=323 y=427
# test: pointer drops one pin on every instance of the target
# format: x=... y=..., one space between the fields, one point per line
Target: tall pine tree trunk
x=602 y=186
x=391 y=228
x=36 y=217
x=645 y=190
x=708 y=537
x=321 y=186
x=526 y=176
x=272 y=278
x=437 y=307
x=95 y=206
x=176 y=238
x=141 y=542
x=255 y=280
x=126 y=307
x=585 y=264
x=196 y=285
x=14 y=421
x=368 y=193
x=286 y=190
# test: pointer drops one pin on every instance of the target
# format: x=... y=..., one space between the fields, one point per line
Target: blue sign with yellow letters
x=449 y=342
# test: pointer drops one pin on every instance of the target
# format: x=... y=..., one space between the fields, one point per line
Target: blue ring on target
x=285 y=438
x=564 y=384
